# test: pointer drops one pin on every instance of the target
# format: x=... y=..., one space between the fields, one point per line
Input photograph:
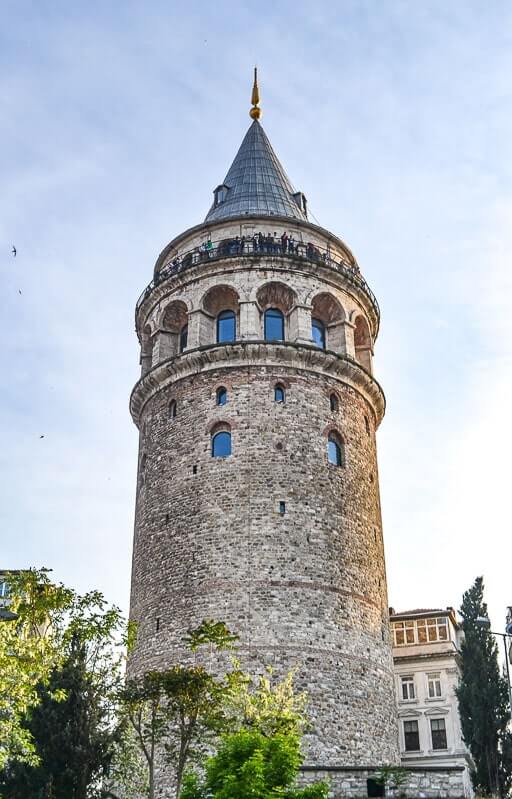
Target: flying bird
x=19 y=291
x=14 y=250
x=41 y=436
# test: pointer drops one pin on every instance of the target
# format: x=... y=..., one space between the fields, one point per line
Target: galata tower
x=258 y=487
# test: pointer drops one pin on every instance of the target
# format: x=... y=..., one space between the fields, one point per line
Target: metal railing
x=255 y=247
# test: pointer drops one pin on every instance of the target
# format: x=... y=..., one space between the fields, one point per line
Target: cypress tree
x=483 y=699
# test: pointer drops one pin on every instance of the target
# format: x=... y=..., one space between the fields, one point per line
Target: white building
x=426 y=647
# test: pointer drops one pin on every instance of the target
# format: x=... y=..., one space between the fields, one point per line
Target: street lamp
x=485 y=622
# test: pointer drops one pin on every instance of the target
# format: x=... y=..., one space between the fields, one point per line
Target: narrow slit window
x=173 y=409
x=279 y=393
x=334 y=403
x=222 y=395
x=335 y=453
x=183 y=338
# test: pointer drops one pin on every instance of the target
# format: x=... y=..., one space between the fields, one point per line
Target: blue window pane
x=221 y=445
x=274 y=325
x=226 y=326
x=222 y=396
x=279 y=394
x=183 y=338
x=334 y=453
x=318 y=333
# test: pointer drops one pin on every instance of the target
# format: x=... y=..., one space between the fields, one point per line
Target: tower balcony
x=254 y=249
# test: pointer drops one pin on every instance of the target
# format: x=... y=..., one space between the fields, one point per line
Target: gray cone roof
x=256 y=181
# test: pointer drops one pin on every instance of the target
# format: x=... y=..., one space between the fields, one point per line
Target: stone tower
x=258 y=489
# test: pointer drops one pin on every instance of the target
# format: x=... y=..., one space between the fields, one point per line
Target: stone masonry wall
x=305 y=588
x=449 y=782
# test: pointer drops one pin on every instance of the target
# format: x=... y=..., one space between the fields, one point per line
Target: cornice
x=257 y=353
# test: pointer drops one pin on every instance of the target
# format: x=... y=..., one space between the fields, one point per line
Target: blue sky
x=394 y=118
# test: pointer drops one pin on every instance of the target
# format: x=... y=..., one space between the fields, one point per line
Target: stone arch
x=218 y=426
x=174 y=316
x=173 y=330
x=221 y=299
x=329 y=311
x=278 y=296
x=363 y=342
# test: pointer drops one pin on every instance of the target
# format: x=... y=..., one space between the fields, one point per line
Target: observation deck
x=256 y=247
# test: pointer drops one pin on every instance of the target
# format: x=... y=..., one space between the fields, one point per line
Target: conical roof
x=256 y=183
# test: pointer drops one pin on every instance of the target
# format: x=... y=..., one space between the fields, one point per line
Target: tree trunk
x=151 y=781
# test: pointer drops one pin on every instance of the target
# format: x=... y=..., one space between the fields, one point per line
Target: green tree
x=483 y=699
x=63 y=660
x=29 y=651
x=176 y=714
x=261 y=757
x=74 y=736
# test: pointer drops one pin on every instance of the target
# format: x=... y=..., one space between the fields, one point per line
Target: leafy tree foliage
x=177 y=713
x=29 y=651
x=261 y=757
x=251 y=764
x=60 y=670
x=483 y=700
x=74 y=736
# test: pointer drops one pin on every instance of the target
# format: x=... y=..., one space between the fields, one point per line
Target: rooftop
x=256 y=183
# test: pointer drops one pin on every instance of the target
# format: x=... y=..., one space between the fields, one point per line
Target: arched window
x=335 y=453
x=318 y=333
x=333 y=399
x=226 y=326
x=172 y=409
x=279 y=393
x=183 y=338
x=221 y=444
x=222 y=396
x=274 y=325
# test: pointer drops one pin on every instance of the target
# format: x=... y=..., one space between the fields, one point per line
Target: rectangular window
x=434 y=685
x=433 y=630
x=403 y=632
x=399 y=634
x=411 y=736
x=422 y=631
x=4 y=588
x=438 y=729
x=442 y=629
x=408 y=691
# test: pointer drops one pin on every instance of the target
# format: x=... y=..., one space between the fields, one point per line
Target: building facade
x=258 y=488
x=425 y=653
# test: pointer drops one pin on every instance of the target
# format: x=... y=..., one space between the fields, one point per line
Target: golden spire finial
x=255 y=111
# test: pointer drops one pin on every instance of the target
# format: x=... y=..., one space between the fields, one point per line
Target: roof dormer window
x=301 y=201
x=220 y=194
